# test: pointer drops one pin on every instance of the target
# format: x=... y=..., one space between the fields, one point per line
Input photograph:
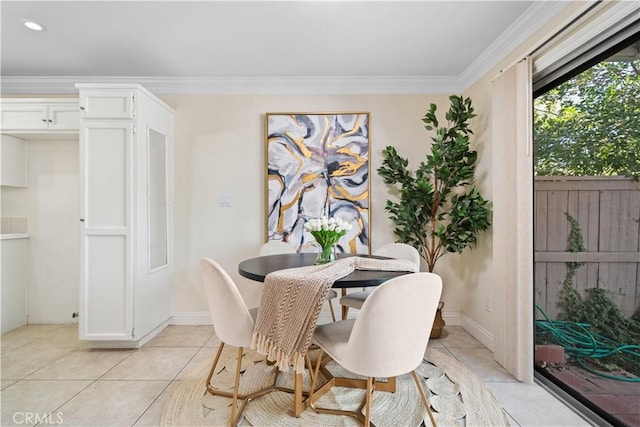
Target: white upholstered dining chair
x=390 y=250
x=233 y=323
x=389 y=338
x=275 y=247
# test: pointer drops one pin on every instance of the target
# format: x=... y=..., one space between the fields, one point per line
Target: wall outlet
x=225 y=201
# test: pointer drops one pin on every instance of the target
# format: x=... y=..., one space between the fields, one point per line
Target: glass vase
x=326 y=254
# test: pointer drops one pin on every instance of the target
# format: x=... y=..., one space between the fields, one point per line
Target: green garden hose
x=579 y=342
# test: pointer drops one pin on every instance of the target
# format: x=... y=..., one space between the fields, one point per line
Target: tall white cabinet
x=126 y=147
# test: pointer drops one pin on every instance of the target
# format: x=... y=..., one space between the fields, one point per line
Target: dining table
x=258 y=268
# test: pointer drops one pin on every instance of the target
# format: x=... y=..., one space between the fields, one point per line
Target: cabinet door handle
x=82 y=108
x=44 y=120
x=81 y=219
x=50 y=121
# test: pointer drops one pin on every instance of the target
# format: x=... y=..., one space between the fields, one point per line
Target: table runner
x=292 y=301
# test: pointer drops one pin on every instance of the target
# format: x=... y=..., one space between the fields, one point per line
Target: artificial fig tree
x=440 y=209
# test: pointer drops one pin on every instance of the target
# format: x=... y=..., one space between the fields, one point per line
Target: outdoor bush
x=598 y=310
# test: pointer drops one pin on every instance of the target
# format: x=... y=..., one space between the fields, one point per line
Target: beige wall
x=219 y=149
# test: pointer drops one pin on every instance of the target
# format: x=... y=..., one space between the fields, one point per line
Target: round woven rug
x=457 y=397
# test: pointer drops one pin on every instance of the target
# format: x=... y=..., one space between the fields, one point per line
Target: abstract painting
x=317 y=164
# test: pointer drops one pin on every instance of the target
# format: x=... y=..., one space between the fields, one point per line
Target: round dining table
x=257 y=268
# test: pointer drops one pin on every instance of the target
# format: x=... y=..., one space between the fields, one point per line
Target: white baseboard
x=191 y=318
x=452 y=318
x=478 y=332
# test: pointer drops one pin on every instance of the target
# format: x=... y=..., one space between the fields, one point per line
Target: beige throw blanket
x=292 y=301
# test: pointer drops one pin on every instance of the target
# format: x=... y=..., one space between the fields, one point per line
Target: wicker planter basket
x=438 y=323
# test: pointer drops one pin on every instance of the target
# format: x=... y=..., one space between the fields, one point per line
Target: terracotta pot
x=438 y=323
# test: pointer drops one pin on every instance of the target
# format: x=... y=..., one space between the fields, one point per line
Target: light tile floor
x=49 y=377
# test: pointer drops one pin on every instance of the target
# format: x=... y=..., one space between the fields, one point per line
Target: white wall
x=50 y=202
x=219 y=149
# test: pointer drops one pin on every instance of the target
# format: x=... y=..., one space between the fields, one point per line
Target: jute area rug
x=457 y=396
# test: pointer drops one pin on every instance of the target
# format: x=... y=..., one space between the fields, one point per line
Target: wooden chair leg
x=235 y=395
x=213 y=367
x=236 y=385
x=423 y=395
x=314 y=373
x=345 y=309
x=367 y=411
x=333 y=314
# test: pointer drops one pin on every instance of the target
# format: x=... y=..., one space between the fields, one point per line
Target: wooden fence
x=608 y=211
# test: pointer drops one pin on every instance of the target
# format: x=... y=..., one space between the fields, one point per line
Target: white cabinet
x=126 y=146
x=28 y=115
x=13 y=172
x=108 y=104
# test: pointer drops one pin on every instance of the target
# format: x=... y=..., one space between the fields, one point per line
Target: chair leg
x=345 y=309
x=367 y=411
x=236 y=385
x=213 y=367
x=235 y=396
x=333 y=314
x=423 y=395
x=314 y=373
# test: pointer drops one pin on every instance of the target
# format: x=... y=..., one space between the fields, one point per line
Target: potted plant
x=440 y=209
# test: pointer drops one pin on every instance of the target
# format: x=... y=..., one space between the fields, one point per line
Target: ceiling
x=180 y=42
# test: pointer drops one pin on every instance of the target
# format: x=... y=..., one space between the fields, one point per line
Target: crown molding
x=50 y=85
x=527 y=24
x=537 y=15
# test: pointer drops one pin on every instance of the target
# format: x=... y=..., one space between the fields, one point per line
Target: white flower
x=313 y=225
x=327 y=224
x=342 y=225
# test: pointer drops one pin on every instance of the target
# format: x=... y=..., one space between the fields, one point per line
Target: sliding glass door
x=587 y=235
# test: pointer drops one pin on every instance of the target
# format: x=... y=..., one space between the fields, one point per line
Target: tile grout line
x=172 y=380
x=485 y=382
x=90 y=384
x=72 y=397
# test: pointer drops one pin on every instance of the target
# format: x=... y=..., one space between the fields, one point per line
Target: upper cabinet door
x=24 y=116
x=97 y=104
x=63 y=117
x=40 y=115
